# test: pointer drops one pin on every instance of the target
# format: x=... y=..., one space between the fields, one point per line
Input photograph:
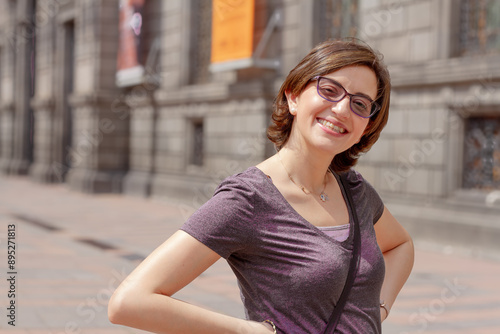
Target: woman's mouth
x=331 y=126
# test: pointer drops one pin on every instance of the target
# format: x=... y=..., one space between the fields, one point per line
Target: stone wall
x=417 y=165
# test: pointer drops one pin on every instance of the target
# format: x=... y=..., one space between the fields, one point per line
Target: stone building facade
x=182 y=125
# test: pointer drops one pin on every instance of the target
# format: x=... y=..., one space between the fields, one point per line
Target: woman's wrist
x=255 y=327
x=269 y=324
x=384 y=310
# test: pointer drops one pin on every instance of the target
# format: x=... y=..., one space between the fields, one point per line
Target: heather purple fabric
x=339 y=233
x=288 y=270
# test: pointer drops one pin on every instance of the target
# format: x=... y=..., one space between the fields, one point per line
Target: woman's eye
x=331 y=90
x=360 y=104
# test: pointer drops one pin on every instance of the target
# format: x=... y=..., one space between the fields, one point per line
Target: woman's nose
x=342 y=108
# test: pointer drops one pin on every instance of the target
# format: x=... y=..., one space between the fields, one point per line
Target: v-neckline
x=308 y=223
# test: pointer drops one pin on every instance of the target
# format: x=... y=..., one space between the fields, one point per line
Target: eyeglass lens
x=334 y=92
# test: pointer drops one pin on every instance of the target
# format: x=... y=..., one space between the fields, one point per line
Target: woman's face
x=331 y=126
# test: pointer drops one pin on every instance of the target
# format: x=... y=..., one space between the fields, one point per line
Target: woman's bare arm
x=143 y=300
x=397 y=248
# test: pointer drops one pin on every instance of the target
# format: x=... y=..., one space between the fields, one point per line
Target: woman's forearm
x=398 y=265
x=163 y=314
x=143 y=300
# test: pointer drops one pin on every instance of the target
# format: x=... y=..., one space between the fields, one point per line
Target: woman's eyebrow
x=357 y=93
x=364 y=95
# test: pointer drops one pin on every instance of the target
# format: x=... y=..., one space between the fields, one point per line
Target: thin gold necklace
x=322 y=196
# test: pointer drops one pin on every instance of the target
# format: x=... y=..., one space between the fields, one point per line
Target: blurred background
x=161 y=100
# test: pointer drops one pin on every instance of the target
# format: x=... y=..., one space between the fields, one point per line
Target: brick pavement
x=73 y=249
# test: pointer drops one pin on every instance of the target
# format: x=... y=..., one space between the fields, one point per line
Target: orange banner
x=232 y=29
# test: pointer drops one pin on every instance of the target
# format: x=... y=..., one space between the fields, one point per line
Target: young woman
x=284 y=226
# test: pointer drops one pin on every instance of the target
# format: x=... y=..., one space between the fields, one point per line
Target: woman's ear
x=292 y=102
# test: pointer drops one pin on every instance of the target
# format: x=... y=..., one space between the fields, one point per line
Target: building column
x=43 y=169
x=23 y=86
x=98 y=155
x=142 y=148
x=6 y=135
x=55 y=59
x=7 y=74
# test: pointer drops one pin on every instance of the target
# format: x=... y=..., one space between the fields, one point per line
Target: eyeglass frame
x=375 y=106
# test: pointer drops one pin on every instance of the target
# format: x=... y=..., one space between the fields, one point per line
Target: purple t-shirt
x=288 y=270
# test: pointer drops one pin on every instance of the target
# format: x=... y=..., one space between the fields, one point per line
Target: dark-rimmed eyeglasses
x=333 y=91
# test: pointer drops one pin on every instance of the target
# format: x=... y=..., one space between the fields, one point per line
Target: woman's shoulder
x=250 y=175
x=250 y=180
x=363 y=192
x=353 y=177
x=357 y=182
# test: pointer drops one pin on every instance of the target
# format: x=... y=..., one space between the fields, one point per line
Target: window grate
x=479 y=27
x=482 y=153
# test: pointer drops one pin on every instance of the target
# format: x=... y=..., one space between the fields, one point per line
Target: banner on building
x=130 y=65
x=232 y=30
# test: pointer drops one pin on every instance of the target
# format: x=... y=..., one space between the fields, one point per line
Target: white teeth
x=332 y=126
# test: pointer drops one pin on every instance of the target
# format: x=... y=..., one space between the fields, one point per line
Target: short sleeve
x=374 y=201
x=366 y=193
x=223 y=223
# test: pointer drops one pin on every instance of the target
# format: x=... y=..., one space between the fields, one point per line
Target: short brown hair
x=328 y=57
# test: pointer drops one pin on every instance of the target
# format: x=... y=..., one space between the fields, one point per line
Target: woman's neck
x=306 y=169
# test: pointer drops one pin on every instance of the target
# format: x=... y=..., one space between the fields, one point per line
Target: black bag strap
x=353 y=266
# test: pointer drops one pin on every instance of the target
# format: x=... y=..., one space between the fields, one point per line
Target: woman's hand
x=253 y=327
x=264 y=328
x=383 y=314
x=143 y=300
x=269 y=327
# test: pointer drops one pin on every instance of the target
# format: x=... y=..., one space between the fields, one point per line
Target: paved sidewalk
x=73 y=249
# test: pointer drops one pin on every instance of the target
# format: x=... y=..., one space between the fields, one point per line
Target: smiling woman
x=311 y=243
x=312 y=112
x=326 y=58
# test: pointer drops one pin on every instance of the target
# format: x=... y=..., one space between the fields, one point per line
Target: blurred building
x=121 y=96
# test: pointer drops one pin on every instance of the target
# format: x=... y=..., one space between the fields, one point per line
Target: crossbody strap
x=353 y=265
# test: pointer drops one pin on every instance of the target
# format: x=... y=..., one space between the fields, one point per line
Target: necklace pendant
x=323 y=197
